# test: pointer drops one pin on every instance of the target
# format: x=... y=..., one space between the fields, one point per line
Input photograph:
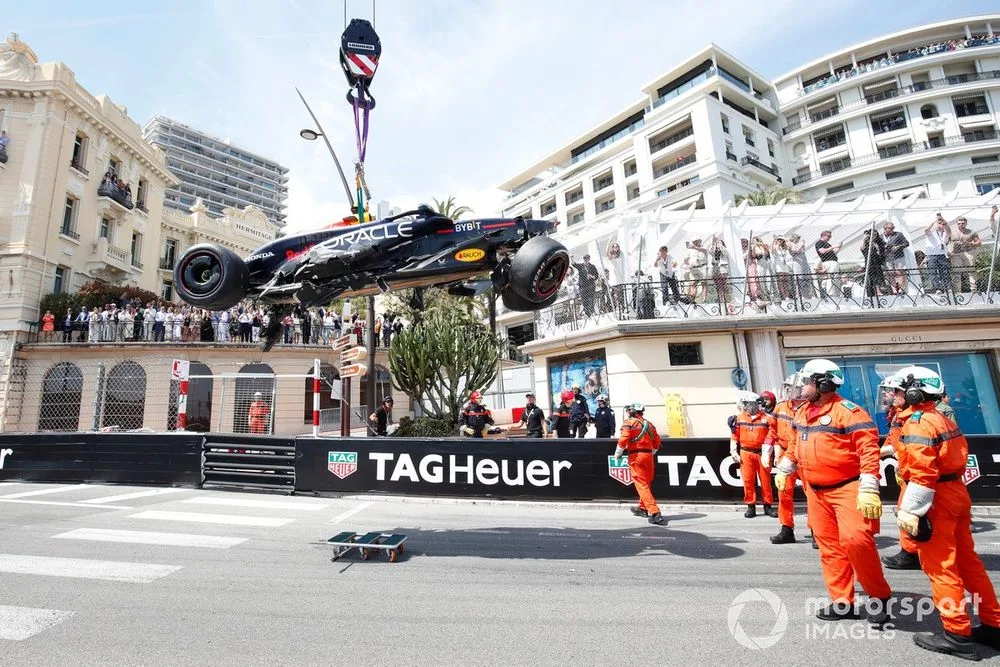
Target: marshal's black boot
x=904 y=560
x=785 y=536
x=949 y=644
x=751 y=511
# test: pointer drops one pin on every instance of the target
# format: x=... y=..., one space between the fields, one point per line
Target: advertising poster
x=588 y=369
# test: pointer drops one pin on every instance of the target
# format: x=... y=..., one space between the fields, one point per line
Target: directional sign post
x=344 y=342
x=354 y=370
x=351 y=355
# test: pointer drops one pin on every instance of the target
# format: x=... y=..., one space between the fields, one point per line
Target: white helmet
x=603 y=397
x=922 y=380
x=748 y=401
x=820 y=370
x=791 y=390
x=888 y=388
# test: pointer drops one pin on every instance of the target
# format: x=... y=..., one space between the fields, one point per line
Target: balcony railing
x=674 y=166
x=572 y=199
x=620 y=134
x=898 y=150
x=895 y=58
x=3 y=156
x=167 y=263
x=141 y=206
x=731 y=156
x=110 y=255
x=672 y=139
x=113 y=192
x=954 y=80
x=684 y=87
x=78 y=165
x=66 y=231
x=760 y=165
x=806 y=296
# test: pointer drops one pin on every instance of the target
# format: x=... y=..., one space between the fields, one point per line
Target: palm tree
x=449 y=209
x=771 y=196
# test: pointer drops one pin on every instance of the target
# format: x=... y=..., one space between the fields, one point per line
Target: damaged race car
x=419 y=248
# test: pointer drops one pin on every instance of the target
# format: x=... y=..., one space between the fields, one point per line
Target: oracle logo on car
x=4 y=453
x=470 y=255
x=432 y=469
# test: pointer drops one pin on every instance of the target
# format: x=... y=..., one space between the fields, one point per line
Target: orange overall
x=784 y=437
x=835 y=444
x=933 y=456
x=640 y=438
x=750 y=434
x=906 y=541
x=258 y=417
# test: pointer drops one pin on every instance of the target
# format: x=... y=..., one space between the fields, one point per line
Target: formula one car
x=419 y=248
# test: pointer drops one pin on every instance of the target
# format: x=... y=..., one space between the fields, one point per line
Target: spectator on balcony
x=222 y=328
x=387 y=330
x=4 y=140
x=800 y=267
x=587 y=277
x=256 y=322
x=666 y=267
x=178 y=325
x=938 y=237
x=305 y=325
x=895 y=259
x=246 y=325
x=964 y=243
x=781 y=262
x=828 y=257
x=316 y=330
x=719 y=262
x=695 y=263
x=48 y=326
x=82 y=324
x=616 y=274
x=148 y=319
x=873 y=254
x=68 y=326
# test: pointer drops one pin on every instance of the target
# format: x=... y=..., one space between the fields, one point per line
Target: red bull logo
x=292 y=254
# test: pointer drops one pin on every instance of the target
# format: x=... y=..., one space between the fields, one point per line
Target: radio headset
x=825 y=384
x=913 y=395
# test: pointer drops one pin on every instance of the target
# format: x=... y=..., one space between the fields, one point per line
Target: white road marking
x=58 y=504
x=81 y=568
x=261 y=504
x=227 y=519
x=351 y=512
x=12 y=484
x=140 y=537
x=19 y=623
x=130 y=496
x=42 y=492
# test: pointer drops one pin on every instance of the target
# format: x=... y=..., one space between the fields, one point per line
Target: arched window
x=253 y=378
x=124 y=402
x=799 y=149
x=199 y=402
x=928 y=111
x=383 y=386
x=61 y=391
x=330 y=376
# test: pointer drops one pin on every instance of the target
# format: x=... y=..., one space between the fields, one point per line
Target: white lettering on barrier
x=468 y=470
x=4 y=453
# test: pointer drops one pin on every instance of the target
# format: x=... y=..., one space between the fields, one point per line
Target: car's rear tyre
x=538 y=269
x=211 y=276
x=512 y=301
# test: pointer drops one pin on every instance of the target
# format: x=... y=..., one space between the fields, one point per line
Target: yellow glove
x=907 y=521
x=781 y=481
x=899 y=480
x=870 y=505
x=485 y=431
x=467 y=430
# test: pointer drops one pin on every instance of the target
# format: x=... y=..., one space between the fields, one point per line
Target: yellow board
x=676 y=424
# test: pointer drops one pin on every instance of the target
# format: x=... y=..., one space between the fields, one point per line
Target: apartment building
x=914 y=111
x=220 y=174
x=81 y=192
x=699 y=135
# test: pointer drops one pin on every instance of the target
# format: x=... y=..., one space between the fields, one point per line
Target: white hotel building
x=894 y=128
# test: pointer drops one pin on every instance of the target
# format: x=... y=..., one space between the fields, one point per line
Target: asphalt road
x=131 y=575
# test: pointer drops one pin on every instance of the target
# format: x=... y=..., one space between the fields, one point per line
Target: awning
x=968 y=96
x=880 y=84
x=887 y=113
x=984 y=120
x=820 y=103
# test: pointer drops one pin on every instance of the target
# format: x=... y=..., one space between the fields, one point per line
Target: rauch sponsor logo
x=342 y=464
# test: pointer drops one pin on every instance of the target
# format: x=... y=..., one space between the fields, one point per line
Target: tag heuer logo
x=342 y=464
x=971 y=470
x=619 y=470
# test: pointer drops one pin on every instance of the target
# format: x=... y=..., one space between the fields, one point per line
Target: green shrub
x=425 y=427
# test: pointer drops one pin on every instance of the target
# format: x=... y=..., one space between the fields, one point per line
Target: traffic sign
x=343 y=341
x=180 y=370
x=352 y=354
x=354 y=370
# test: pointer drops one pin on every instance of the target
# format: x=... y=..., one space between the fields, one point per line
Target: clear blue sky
x=469 y=91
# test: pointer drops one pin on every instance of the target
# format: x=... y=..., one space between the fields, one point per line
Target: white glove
x=467 y=430
x=619 y=451
x=765 y=456
x=887 y=452
x=732 y=451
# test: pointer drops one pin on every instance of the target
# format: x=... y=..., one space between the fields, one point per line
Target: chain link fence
x=137 y=393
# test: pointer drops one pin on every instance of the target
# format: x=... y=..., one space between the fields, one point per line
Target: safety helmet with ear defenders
x=826 y=374
x=920 y=384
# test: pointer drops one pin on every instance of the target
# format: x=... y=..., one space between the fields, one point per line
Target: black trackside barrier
x=128 y=458
x=250 y=461
x=687 y=470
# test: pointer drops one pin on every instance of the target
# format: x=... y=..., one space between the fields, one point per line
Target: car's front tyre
x=537 y=271
x=211 y=276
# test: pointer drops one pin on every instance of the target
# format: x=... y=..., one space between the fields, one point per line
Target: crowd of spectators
x=133 y=321
x=787 y=267
x=900 y=56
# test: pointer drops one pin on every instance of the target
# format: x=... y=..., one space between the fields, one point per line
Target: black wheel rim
x=551 y=275
x=201 y=274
